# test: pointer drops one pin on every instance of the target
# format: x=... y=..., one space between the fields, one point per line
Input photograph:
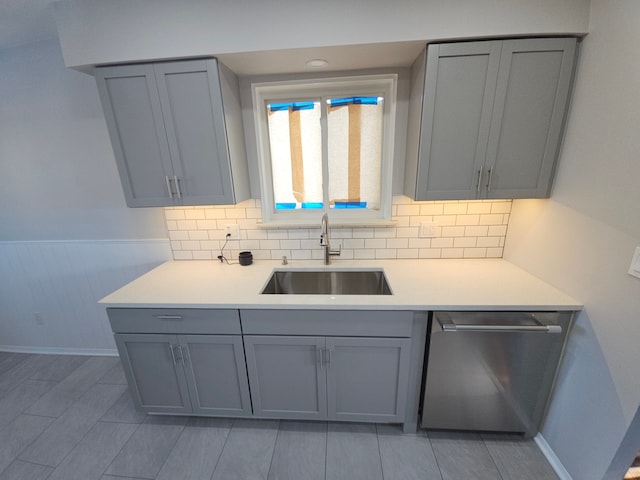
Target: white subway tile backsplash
x=464 y=242
x=500 y=207
x=492 y=219
x=408 y=210
x=398 y=243
x=375 y=243
x=455 y=209
x=452 y=253
x=365 y=254
x=384 y=253
x=196 y=214
x=465 y=229
x=187 y=225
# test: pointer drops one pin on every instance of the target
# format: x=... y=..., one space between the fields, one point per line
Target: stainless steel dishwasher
x=492 y=371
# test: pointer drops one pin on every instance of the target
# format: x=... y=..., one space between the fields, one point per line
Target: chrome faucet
x=325 y=242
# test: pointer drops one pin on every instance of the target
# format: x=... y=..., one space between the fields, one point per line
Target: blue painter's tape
x=285 y=206
x=277 y=107
x=350 y=205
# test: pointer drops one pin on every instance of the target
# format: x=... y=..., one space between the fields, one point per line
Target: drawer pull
x=169 y=317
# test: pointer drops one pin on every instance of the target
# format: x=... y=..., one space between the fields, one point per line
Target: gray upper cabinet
x=486 y=118
x=176 y=132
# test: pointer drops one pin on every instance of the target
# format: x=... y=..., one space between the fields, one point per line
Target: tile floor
x=69 y=417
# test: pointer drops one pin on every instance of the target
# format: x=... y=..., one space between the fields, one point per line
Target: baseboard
x=96 y=352
x=552 y=458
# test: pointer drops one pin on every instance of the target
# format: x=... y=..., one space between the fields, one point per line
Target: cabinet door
x=152 y=365
x=287 y=376
x=531 y=101
x=192 y=106
x=458 y=97
x=132 y=111
x=216 y=374
x=367 y=378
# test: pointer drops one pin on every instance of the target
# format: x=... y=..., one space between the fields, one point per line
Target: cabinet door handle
x=489 y=181
x=173 y=354
x=169 y=317
x=478 y=186
x=329 y=355
x=177 y=182
x=320 y=356
x=184 y=352
x=166 y=177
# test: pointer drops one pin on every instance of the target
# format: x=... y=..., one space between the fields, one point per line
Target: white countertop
x=469 y=284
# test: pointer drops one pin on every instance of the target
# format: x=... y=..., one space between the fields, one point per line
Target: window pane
x=355 y=152
x=296 y=154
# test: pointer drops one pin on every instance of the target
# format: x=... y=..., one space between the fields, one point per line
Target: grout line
x=226 y=439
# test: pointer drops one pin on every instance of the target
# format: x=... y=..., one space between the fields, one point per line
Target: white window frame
x=384 y=85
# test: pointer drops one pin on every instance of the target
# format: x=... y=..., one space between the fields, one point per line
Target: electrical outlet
x=429 y=229
x=37 y=316
x=233 y=230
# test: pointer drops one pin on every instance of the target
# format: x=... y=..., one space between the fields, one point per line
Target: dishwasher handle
x=449 y=326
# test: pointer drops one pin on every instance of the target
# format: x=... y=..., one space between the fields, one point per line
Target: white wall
x=66 y=236
x=95 y=31
x=582 y=241
x=59 y=177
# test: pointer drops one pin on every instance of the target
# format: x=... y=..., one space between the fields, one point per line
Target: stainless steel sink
x=327 y=282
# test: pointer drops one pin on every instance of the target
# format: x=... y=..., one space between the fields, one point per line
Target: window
x=326 y=145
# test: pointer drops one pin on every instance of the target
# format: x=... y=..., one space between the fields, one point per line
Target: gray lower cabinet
x=197 y=374
x=176 y=142
x=156 y=382
x=335 y=378
x=486 y=118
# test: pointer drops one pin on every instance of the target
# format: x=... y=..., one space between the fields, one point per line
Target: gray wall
x=582 y=241
x=59 y=177
x=66 y=236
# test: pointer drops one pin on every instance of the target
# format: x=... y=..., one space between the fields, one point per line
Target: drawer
x=353 y=323
x=174 y=320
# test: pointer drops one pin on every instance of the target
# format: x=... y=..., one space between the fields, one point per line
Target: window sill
x=334 y=224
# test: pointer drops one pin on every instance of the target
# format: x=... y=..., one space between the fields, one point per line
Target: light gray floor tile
x=21 y=398
x=123 y=411
x=300 y=451
x=406 y=456
x=67 y=430
x=114 y=376
x=59 y=367
x=111 y=477
x=517 y=458
x=248 y=451
x=463 y=455
x=25 y=471
x=352 y=452
x=20 y=372
x=95 y=452
x=146 y=451
x=9 y=360
x=18 y=434
x=62 y=396
x=179 y=420
x=196 y=453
